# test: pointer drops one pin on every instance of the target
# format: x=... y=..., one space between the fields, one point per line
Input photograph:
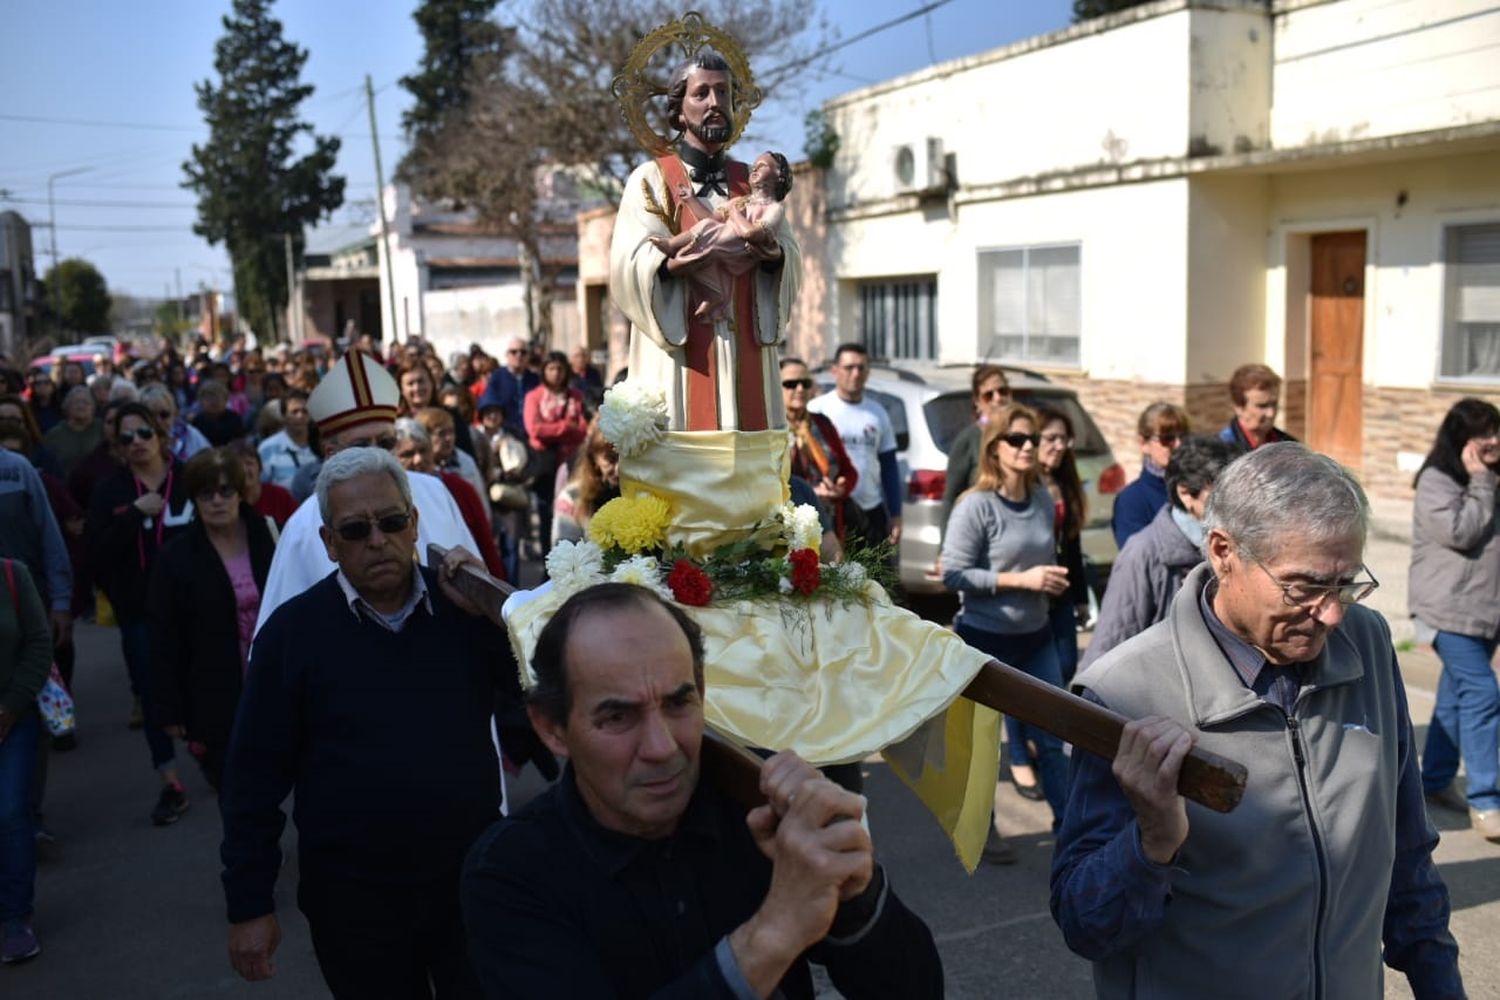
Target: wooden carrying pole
x=1206 y=778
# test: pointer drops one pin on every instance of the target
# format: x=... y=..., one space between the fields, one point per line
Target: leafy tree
x=82 y=297
x=822 y=141
x=251 y=191
x=456 y=35
x=546 y=101
x=1084 y=10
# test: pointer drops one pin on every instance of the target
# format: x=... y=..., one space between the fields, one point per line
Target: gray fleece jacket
x=1144 y=580
x=1454 y=583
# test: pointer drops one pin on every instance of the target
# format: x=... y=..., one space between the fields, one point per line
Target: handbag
x=53 y=701
x=515 y=467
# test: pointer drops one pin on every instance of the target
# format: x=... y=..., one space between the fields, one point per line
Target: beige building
x=1138 y=204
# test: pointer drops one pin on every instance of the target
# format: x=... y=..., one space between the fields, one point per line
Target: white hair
x=408 y=429
x=1282 y=492
x=155 y=393
x=351 y=463
x=123 y=392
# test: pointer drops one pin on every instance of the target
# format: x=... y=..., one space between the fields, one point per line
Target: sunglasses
x=1167 y=440
x=990 y=394
x=1019 y=441
x=383 y=443
x=796 y=383
x=389 y=524
x=223 y=491
x=515 y=350
x=139 y=434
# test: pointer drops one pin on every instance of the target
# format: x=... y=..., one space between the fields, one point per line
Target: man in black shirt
x=370 y=694
x=629 y=878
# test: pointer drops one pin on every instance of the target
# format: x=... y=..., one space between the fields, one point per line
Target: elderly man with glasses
x=370 y=695
x=1325 y=868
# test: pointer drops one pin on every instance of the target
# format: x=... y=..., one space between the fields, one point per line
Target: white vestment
x=301 y=559
x=657 y=307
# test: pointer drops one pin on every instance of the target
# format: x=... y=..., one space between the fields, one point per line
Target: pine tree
x=251 y=192
x=459 y=37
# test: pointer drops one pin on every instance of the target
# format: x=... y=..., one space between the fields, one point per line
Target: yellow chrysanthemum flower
x=633 y=524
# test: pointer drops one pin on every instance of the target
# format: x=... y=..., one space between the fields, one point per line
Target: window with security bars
x=898 y=318
x=1029 y=305
x=1471 y=321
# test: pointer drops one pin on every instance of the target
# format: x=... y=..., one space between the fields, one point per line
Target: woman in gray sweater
x=1000 y=556
x=1454 y=588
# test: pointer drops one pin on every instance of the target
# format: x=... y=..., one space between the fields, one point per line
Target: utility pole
x=177 y=277
x=52 y=292
x=291 y=289
x=385 y=232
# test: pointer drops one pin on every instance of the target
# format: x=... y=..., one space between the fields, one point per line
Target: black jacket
x=121 y=548
x=195 y=640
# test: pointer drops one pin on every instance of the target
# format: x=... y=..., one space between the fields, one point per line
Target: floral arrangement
x=627 y=543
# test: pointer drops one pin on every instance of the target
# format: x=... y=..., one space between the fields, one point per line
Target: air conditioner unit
x=919 y=167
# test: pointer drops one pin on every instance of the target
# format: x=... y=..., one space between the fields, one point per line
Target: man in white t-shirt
x=289 y=449
x=868 y=437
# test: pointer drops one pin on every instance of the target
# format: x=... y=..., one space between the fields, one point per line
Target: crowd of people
x=249 y=523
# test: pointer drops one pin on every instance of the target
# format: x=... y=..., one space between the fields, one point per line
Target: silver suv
x=928 y=406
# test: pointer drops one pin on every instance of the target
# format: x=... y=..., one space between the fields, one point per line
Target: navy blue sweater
x=385 y=737
x=1138 y=504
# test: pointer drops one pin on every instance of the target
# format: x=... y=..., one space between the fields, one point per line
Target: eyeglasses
x=1019 y=441
x=385 y=443
x=139 y=434
x=796 y=383
x=989 y=394
x=389 y=524
x=223 y=491
x=1311 y=597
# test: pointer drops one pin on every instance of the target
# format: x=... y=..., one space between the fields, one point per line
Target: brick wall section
x=1399 y=420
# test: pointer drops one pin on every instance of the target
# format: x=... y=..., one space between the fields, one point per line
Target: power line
x=846 y=42
x=91 y=123
x=86 y=203
x=184 y=228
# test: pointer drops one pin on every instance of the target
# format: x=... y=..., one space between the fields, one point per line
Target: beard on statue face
x=714 y=131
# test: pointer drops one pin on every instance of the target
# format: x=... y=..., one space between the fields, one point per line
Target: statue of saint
x=718 y=364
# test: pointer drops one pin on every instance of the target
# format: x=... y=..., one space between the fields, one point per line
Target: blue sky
x=128 y=65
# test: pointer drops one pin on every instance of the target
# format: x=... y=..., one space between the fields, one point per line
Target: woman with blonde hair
x=999 y=554
x=595 y=482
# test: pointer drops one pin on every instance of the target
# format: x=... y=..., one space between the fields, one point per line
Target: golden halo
x=635 y=91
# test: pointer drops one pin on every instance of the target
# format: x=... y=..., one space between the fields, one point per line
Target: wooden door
x=1335 y=404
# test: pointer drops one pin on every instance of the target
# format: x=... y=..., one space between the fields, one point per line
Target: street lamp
x=52 y=225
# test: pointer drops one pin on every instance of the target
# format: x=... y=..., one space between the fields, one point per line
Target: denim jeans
x=1465 y=720
x=17 y=833
x=1035 y=654
x=135 y=643
x=1064 y=622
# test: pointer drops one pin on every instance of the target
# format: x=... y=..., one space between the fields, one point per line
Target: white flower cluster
x=851 y=574
x=572 y=566
x=800 y=527
x=643 y=571
x=633 y=416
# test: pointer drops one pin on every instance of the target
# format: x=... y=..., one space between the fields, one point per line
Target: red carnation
x=690 y=585
x=806 y=573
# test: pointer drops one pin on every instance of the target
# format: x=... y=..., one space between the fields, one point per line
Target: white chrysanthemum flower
x=785 y=585
x=800 y=526
x=633 y=416
x=572 y=566
x=643 y=571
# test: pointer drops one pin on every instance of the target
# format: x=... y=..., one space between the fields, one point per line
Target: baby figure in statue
x=723 y=239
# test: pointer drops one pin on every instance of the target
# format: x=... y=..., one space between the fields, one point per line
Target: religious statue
x=717 y=365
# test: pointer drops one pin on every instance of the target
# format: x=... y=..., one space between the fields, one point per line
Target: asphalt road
x=126 y=910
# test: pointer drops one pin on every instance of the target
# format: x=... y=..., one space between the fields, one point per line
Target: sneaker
x=18 y=942
x=1448 y=797
x=137 y=716
x=170 y=806
x=1486 y=823
x=997 y=851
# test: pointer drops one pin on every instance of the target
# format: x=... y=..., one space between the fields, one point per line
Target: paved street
x=126 y=910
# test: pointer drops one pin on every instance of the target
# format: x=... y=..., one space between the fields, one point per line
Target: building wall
x=1226 y=297
x=1360 y=69
x=809 y=333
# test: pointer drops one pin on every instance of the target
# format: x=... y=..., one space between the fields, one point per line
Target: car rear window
x=951 y=412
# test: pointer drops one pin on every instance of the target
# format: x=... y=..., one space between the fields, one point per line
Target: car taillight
x=927 y=484
x=1112 y=479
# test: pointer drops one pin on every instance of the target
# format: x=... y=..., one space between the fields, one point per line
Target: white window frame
x=1449 y=321
x=985 y=318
